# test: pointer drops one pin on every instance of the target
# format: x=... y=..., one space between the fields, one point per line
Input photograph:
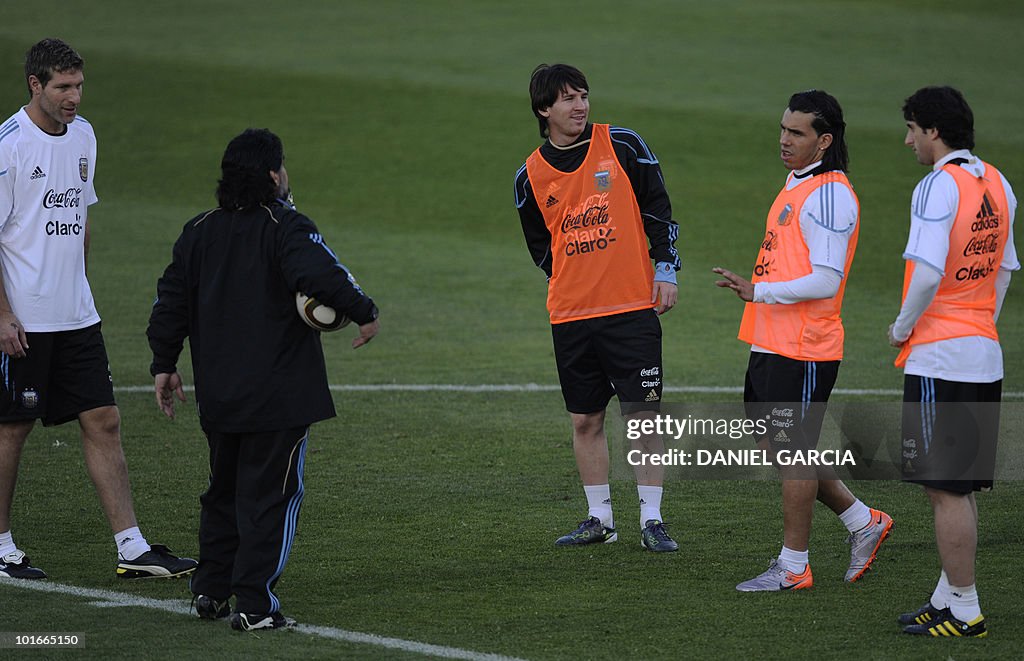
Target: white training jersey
x=46 y=187
x=973 y=359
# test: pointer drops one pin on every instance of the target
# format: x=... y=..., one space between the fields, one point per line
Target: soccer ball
x=318 y=316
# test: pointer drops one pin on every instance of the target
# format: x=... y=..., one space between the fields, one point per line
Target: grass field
x=430 y=514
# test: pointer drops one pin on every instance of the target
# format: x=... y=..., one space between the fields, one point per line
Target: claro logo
x=61 y=228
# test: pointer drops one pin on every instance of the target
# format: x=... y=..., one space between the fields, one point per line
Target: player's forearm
x=822 y=282
x=662 y=235
x=656 y=212
x=5 y=303
x=924 y=283
x=1002 y=285
x=85 y=245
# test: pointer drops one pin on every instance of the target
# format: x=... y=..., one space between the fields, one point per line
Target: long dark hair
x=245 y=170
x=828 y=118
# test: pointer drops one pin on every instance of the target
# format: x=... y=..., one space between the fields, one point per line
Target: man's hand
x=893 y=341
x=13 y=340
x=666 y=295
x=366 y=333
x=168 y=386
x=743 y=287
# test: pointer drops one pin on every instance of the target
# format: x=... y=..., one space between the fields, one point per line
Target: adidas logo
x=37 y=173
x=652 y=396
x=781 y=437
x=552 y=201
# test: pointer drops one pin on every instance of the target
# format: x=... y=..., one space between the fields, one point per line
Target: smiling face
x=567 y=116
x=55 y=105
x=799 y=144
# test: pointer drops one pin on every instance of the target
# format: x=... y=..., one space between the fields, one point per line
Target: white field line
x=109 y=599
x=535 y=387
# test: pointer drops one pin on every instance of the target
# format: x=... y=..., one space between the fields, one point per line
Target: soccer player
x=791 y=320
x=54 y=365
x=960 y=255
x=590 y=200
x=260 y=375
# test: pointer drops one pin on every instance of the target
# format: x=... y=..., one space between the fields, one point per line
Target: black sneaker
x=922 y=615
x=157 y=562
x=591 y=531
x=251 y=622
x=16 y=565
x=208 y=608
x=655 y=538
x=945 y=625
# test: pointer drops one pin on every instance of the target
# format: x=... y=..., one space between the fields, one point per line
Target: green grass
x=404 y=124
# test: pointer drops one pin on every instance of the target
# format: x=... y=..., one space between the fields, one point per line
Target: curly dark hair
x=943 y=108
x=828 y=118
x=245 y=170
x=50 y=56
x=547 y=82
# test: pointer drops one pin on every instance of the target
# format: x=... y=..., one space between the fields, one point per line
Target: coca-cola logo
x=68 y=199
x=982 y=245
x=591 y=212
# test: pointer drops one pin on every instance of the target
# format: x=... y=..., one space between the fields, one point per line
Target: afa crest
x=83 y=168
x=29 y=398
x=786 y=215
x=603 y=180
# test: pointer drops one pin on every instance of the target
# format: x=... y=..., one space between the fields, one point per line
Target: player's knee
x=587 y=426
x=104 y=422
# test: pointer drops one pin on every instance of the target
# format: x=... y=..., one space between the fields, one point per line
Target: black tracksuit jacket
x=230 y=288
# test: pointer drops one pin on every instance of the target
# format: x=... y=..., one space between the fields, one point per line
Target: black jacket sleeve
x=645 y=175
x=535 y=230
x=311 y=267
x=168 y=321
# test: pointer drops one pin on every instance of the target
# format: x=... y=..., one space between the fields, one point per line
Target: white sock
x=794 y=561
x=856 y=516
x=941 y=597
x=130 y=543
x=650 y=503
x=963 y=603
x=599 y=502
x=7 y=543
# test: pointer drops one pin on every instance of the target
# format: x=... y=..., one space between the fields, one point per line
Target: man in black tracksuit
x=259 y=370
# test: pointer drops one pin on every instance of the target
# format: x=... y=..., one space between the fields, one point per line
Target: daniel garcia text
x=742 y=458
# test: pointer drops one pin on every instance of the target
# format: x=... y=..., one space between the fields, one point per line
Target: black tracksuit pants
x=249 y=514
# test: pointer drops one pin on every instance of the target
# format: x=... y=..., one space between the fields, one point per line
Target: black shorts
x=950 y=429
x=791 y=395
x=62 y=374
x=615 y=355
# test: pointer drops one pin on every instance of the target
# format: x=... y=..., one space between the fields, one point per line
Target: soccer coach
x=259 y=370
